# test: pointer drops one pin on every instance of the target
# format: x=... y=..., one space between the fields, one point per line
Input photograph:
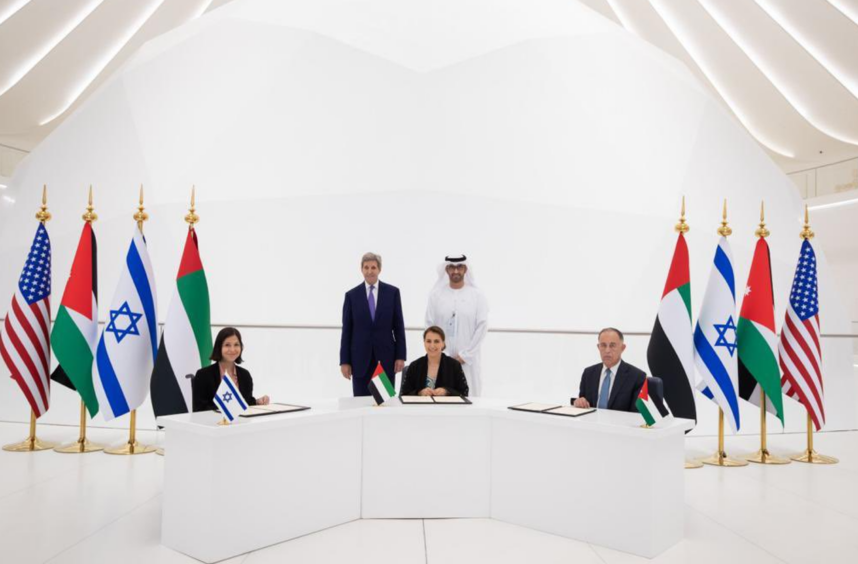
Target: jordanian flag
x=670 y=354
x=75 y=332
x=757 y=341
x=186 y=342
x=380 y=386
x=647 y=406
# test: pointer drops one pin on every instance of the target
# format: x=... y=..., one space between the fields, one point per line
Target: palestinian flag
x=756 y=338
x=670 y=354
x=380 y=386
x=75 y=332
x=647 y=407
x=186 y=342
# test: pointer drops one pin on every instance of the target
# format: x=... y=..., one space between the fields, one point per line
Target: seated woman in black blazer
x=435 y=374
x=227 y=356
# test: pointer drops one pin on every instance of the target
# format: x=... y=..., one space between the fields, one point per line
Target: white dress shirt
x=614 y=370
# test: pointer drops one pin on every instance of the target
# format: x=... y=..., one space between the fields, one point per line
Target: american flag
x=799 y=348
x=25 y=342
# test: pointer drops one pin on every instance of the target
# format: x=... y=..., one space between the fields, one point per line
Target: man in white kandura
x=461 y=310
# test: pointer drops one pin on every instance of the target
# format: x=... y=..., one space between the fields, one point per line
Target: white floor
x=96 y=508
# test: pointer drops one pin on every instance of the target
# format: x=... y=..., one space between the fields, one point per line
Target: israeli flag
x=715 y=354
x=229 y=400
x=126 y=350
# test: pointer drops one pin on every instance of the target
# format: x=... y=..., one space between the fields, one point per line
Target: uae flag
x=647 y=407
x=670 y=354
x=380 y=386
x=756 y=338
x=75 y=333
x=186 y=342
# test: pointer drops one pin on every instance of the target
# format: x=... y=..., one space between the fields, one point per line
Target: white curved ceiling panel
x=35 y=31
x=754 y=99
x=849 y=8
x=829 y=35
x=807 y=86
x=8 y=8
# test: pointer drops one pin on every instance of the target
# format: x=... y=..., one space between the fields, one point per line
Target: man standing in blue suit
x=373 y=328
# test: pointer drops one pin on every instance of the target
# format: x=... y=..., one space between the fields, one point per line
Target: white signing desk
x=598 y=478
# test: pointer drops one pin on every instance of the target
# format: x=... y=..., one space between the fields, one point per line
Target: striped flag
x=755 y=333
x=186 y=342
x=715 y=337
x=670 y=353
x=646 y=406
x=25 y=342
x=799 y=346
x=75 y=332
x=380 y=386
x=229 y=400
x=126 y=350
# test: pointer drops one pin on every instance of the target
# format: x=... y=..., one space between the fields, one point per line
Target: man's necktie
x=605 y=392
x=371 y=301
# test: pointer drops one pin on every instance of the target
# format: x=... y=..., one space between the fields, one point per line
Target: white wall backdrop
x=543 y=141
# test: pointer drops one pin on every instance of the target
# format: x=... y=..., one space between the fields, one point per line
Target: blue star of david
x=721 y=341
x=227 y=397
x=131 y=329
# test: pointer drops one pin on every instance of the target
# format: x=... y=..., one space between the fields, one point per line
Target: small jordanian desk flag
x=756 y=337
x=75 y=333
x=229 y=400
x=670 y=353
x=647 y=406
x=380 y=386
x=186 y=341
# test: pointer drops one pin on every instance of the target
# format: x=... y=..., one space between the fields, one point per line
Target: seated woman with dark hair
x=226 y=353
x=435 y=374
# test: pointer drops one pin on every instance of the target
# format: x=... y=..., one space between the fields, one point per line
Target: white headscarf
x=444 y=280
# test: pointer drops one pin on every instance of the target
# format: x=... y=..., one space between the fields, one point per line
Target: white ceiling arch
x=786 y=69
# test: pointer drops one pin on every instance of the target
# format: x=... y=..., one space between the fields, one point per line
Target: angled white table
x=598 y=478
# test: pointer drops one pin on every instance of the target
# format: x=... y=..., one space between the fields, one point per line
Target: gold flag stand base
x=82 y=445
x=765 y=457
x=79 y=447
x=132 y=446
x=223 y=421
x=812 y=457
x=720 y=457
x=31 y=443
x=693 y=464
x=809 y=456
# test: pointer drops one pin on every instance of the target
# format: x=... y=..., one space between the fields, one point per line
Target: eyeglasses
x=611 y=346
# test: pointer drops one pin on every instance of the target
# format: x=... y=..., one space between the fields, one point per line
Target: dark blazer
x=451 y=377
x=208 y=379
x=624 y=392
x=362 y=338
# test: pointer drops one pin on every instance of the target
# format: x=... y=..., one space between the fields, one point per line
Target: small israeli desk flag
x=229 y=400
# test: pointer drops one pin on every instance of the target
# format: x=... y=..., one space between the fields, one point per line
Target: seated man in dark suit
x=613 y=384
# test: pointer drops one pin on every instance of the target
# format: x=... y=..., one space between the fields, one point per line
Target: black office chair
x=656 y=392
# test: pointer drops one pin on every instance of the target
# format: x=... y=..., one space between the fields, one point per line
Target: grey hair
x=615 y=330
x=370 y=257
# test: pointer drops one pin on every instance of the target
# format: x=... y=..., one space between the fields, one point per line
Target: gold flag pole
x=763 y=456
x=32 y=443
x=682 y=228
x=809 y=455
x=83 y=445
x=192 y=218
x=132 y=446
x=720 y=458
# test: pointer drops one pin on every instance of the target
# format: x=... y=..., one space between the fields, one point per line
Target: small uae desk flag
x=380 y=386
